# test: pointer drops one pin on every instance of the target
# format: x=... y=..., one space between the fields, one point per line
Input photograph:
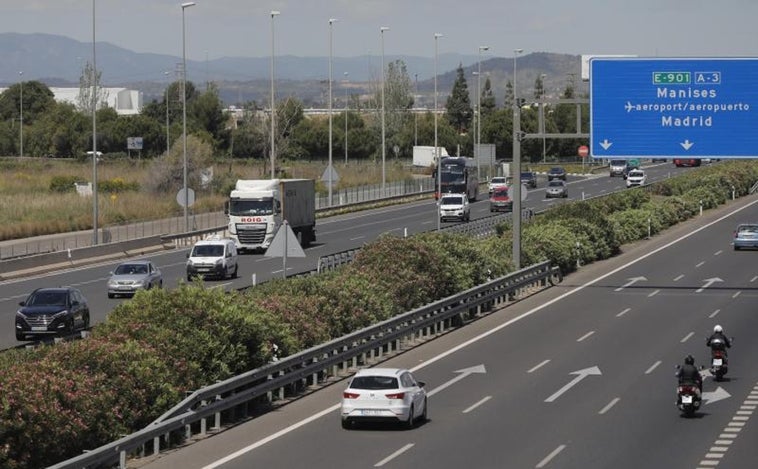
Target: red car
x=679 y=162
x=500 y=200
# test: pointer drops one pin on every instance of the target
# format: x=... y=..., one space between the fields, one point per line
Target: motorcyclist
x=718 y=340
x=688 y=374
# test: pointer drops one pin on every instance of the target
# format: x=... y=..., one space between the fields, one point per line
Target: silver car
x=556 y=188
x=129 y=277
x=746 y=236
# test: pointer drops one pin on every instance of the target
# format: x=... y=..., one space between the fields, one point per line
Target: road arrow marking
x=715 y=396
x=581 y=374
x=463 y=374
x=606 y=144
x=708 y=283
x=631 y=282
x=687 y=144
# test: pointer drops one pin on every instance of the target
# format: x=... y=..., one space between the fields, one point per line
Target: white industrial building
x=126 y=102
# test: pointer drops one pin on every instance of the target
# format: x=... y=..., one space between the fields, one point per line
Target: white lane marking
x=623 y=312
x=652 y=367
x=427 y=222
x=545 y=362
x=585 y=336
x=357 y=238
x=687 y=337
x=723 y=442
x=550 y=456
x=754 y=279
x=718 y=252
x=699 y=264
x=481 y=336
x=736 y=294
x=477 y=404
x=653 y=293
x=728 y=435
x=713 y=314
x=610 y=404
x=394 y=455
x=678 y=277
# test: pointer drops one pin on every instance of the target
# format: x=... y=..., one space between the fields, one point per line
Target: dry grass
x=29 y=208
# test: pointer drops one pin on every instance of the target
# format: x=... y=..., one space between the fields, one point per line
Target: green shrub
x=117 y=185
x=63 y=184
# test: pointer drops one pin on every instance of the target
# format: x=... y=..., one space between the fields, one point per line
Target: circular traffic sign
x=583 y=151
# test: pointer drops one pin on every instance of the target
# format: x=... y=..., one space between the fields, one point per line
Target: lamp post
x=184 y=117
x=436 y=149
x=168 y=134
x=544 y=153
x=330 y=169
x=516 y=215
x=94 y=132
x=347 y=108
x=273 y=107
x=21 y=116
x=384 y=146
x=415 y=114
x=479 y=108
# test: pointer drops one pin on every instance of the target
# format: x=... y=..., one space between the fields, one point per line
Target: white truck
x=257 y=207
x=424 y=155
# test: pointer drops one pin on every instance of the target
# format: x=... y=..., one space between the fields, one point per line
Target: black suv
x=556 y=172
x=52 y=311
x=529 y=179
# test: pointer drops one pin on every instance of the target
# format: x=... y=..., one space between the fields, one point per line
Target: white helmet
x=717 y=328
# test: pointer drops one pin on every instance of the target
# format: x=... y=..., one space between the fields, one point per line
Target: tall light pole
x=273 y=107
x=330 y=169
x=384 y=146
x=347 y=108
x=516 y=215
x=544 y=154
x=415 y=114
x=184 y=117
x=168 y=133
x=21 y=117
x=94 y=132
x=436 y=149
x=479 y=108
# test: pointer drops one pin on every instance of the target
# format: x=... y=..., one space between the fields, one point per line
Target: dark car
x=529 y=179
x=556 y=172
x=52 y=311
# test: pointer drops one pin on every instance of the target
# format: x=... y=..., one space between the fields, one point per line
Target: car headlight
x=219 y=261
x=61 y=314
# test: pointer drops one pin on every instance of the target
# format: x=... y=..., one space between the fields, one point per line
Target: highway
x=334 y=234
x=577 y=376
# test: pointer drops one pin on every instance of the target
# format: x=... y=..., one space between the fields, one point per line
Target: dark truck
x=529 y=179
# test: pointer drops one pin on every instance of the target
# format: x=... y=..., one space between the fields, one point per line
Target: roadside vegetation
x=61 y=400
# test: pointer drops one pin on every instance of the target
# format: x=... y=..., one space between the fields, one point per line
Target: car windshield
x=636 y=174
x=618 y=163
x=555 y=184
x=526 y=175
x=503 y=192
x=498 y=180
x=452 y=200
x=208 y=250
x=556 y=170
x=48 y=298
x=747 y=230
x=131 y=269
x=374 y=382
x=239 y=207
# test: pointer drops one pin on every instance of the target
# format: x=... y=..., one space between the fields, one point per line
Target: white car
x=384 y=394
x=455 y=206
x=636 y=177
x=496 y=183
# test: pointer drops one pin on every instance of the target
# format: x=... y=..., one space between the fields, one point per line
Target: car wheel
x=346 y=424
x=411 y=421
x=236 y=268
x=111 y=295
x=86 y=322
x=736 y=248
x=20 y=336
x=425 y=415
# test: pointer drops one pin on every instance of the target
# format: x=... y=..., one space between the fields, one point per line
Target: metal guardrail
x=290 y=376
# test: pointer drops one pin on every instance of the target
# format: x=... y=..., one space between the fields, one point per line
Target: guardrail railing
x=231 y=400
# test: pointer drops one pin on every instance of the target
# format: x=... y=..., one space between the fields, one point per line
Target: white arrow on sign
x=687 y=144
x=463 y=374
x=708 y=283
x=581 y=374
x=715 y=396
x=631 y=282
x=606 y=144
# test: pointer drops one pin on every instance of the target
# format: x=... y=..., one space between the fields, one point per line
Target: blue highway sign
x=674 y=107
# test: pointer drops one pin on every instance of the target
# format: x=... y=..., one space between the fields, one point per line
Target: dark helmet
x=689 y=360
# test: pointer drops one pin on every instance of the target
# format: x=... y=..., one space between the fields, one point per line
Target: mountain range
x=59 y=61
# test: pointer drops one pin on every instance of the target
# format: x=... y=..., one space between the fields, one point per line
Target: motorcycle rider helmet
x=689 y=360
x=717 y=328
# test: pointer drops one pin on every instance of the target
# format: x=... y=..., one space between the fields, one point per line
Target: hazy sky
x=218 y=28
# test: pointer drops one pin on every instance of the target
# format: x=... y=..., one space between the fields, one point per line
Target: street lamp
x=184 y=116
x=436 y=149
x=516 y=214
x=544 y=154
x=168 y=134
x=347 y=108
x=384 y=147
x=94 y=132
x=273 y=110
x=21 y=116
x=330 y=169
x=415 y=114
x=479 y=108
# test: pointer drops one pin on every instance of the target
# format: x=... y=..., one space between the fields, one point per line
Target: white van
x=212 y=257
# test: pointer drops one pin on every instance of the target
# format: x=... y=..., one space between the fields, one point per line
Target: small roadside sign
x=284 y=244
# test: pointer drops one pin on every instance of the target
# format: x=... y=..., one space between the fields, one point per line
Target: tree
x=38 y=100
x=459 y=112
x=87 y=81
x=398 y=100
x=487 y=99
x=539 y=87
x=508 y=99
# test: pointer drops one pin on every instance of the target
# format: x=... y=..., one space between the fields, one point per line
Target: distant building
x=126 y=102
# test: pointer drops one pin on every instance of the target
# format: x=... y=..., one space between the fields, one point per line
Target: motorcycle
x=688 y=399
x=719 y=359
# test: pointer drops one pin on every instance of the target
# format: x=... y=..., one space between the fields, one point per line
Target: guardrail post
x=314 y=377
x=281 y=389
x=203 y=421
x=156 y=445
x=187 y=431
x=122 y=459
